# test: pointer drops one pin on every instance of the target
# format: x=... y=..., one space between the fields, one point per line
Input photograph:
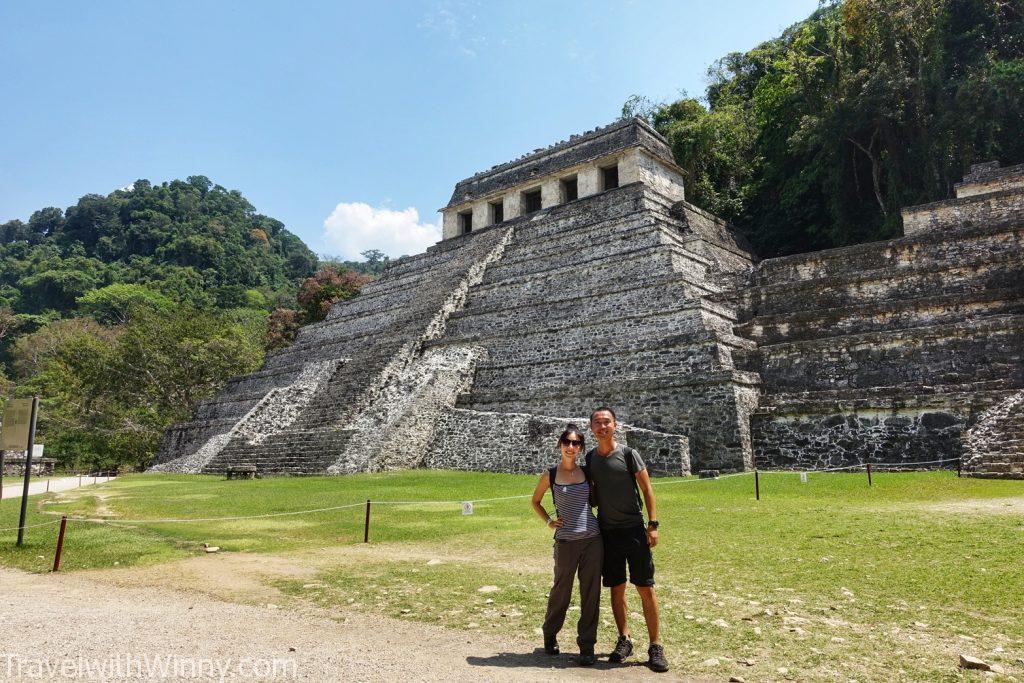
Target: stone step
x=682 y=356
x=569 y=252
x=648 y=297
x=974 y=396
x=646 y=228
x=579 y=335
x=880 y=285
x=595 y=276
x=580 y=398
x=968 y=243
x=984 y=349
x=881 y=316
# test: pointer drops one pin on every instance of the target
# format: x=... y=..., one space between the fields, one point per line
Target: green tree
x=116 y=304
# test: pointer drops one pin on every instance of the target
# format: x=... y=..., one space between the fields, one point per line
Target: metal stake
x=366 y=525
x=757 y=485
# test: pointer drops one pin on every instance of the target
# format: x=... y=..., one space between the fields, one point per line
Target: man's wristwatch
x=653 y=524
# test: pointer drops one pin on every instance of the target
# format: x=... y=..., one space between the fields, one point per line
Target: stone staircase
x=371 y=341
x=994 y=447
x=884 y=351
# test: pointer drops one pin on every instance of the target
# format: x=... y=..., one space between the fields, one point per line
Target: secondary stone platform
x=578 y=275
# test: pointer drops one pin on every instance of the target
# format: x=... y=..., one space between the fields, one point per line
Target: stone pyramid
x=476 y=353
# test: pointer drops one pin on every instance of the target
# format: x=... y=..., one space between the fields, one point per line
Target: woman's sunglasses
x=578 y=443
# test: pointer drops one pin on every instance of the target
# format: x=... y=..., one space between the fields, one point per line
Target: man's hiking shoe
x=656 y=658
x=551 y=645
x=623 y=649
x=587 y=657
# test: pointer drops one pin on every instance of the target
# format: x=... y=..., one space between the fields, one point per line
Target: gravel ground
x=70 y=620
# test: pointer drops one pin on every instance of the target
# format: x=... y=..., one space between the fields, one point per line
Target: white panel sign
x=467 y=508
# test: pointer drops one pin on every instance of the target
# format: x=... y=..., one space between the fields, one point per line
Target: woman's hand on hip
x=556 y=523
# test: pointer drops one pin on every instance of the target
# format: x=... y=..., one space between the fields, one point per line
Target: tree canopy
x=191 y=241
x=818 y=137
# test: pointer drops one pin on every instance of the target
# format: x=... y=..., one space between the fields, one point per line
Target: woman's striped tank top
x=572 y=503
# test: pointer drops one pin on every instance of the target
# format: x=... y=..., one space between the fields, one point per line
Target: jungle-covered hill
x=818 y=137
x=125 y=310
x=193 y=242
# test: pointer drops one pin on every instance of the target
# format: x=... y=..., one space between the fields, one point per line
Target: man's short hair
x=602 y=409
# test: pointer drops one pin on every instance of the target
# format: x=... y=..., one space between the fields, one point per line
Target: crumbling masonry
x=578 y=275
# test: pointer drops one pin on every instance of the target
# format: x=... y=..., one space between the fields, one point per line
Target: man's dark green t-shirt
x=617 y=504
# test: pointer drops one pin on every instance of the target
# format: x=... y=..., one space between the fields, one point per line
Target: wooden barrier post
x=60 y=542
x=47 y=485
x=757 y=485
x=959 y=463
x=366 y=525
x=869 y=474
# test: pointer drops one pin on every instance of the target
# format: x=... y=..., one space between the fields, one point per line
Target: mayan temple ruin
x=578 y=275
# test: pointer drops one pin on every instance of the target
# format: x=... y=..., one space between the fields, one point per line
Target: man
x=618 y=473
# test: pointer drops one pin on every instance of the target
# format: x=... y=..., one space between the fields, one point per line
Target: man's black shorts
x=624 y=547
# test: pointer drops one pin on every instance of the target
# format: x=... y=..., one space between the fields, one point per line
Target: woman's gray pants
x=583 y=557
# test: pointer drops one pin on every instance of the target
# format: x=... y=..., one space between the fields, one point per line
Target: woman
x=578 y=546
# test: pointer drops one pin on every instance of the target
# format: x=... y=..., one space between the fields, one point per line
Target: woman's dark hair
x=572 y=429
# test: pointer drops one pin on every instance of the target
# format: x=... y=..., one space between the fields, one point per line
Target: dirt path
x=174 y=612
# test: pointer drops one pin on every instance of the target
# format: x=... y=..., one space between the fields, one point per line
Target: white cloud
x=354 y=227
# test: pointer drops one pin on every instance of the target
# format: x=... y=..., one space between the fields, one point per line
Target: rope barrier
x=31 y=526
x=187 y=520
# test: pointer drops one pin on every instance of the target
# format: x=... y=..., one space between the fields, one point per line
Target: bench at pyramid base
x=579 y=276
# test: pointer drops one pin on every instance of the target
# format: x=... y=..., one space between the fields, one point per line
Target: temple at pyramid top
x=625 y=152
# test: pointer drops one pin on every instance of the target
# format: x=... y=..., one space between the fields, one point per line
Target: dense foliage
x=817 y=138
x=126 y=310
x=194 y=242
x=108 y=392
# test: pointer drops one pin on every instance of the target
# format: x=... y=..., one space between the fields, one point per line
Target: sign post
x=19 y=434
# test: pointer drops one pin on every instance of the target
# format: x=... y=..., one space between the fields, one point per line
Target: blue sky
x=349 y=122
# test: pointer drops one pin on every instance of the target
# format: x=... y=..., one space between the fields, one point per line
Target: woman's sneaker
x=656 y=658
x=551 y=645
x=623 y=649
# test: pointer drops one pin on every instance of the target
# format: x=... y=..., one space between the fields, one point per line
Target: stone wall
x=900 y=435
x=989 y=177
x=522 y=443
x=1004 y=205
x=888 y=351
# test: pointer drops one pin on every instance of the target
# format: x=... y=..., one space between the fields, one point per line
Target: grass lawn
x=830 y=580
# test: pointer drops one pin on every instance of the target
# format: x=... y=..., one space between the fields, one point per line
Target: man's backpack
x=629 y=454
